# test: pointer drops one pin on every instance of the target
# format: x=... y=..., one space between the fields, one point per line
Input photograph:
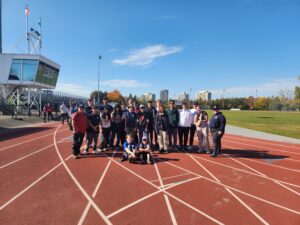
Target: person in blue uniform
x=217 y=125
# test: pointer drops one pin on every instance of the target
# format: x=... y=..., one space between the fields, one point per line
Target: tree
x=115 y=96
x=262 y=103
x=94 y=95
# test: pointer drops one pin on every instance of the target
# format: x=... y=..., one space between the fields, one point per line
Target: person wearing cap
x=117 y=127
x=201 y=122
x=217 y=125
x=185 y=121
x=162 y=128
x=130 y=119
x=144 y=150
x=193 y=126
x=151 y=111
x=105 y=104
x=88 y=109
x=92 y=131
x=142 y=123
x=106 y=128
x=173 y=115
x=79 y=124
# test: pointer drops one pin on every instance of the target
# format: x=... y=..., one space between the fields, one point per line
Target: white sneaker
x=189 y=147
x=85 y=152
x=95 y=151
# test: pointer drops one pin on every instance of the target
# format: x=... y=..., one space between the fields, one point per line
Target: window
x=46 y=74
x=29 y=69
x=15 y=70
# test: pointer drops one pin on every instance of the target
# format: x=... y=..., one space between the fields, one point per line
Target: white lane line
x=183 y=202
x=31 y=185
x=33 y=139
x=256 y=171
x=87 y=208
x=230 y=192
x=167 y=178
x=149 y=196
x=234 y=189
x=280 y=167
x=271 y=149
x=165 y=196
x=90 y=200
x=246 y=139
x=245 y=171
x=26 y=156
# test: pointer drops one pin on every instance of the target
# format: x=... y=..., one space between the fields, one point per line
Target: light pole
x=99 y=78
x=223 y=98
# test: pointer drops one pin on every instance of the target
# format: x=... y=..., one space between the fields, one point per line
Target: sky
x=233 y=47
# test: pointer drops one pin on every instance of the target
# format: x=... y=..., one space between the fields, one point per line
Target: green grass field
x=281 y=123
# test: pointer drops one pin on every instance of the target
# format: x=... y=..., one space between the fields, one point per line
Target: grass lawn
x=281 y=123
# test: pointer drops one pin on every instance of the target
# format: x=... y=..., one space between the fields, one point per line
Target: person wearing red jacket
x=80 y=123
x=47 y=110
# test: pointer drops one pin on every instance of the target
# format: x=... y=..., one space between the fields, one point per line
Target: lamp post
x=99 y=78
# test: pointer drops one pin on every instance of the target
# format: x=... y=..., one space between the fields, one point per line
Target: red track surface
x=253 y=182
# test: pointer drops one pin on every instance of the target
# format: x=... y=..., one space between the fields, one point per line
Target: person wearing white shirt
x=185 y=121
x=64 y=113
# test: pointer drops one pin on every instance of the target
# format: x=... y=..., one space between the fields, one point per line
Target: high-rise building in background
x=183 y=97
x=203 y=95
x=148 y=97
x=164 y=95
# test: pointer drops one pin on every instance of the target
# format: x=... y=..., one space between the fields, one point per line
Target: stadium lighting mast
x=99 y=78
x=0 y=26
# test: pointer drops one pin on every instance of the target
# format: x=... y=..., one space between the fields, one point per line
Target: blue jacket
x=217 y=122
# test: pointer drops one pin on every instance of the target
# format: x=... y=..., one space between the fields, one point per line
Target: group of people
x=140 y=129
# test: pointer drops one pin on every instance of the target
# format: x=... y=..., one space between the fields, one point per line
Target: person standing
x=185 y=121
x=130 y=119
x=48 y=111
x=64 y=113
x=106 y=105
x=92 y=131
x=142 y=123
x=201 y=122
x=173 y=115
x=162 y=128
x=217 y=125
x=79 y=123
x=106 y=128
x=151 y=111
x=193 y=126
x=117 y=127
x=88 y=109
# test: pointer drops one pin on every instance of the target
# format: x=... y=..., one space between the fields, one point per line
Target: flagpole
x=27 y=33
x=0 y=26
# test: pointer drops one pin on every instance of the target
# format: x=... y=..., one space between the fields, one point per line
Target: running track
x=253 y=182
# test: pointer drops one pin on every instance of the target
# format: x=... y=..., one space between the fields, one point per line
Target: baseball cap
x=142 y=106
x=105 y=98
x=81 y=106
x=215 y=107
x=94 y=107
x=145 y=137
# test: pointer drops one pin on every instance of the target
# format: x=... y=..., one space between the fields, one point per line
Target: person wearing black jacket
x=217 y=125
x=173 y=114
x=118 y=127
x=151 y=111
x=162 y=128
x=142 y=123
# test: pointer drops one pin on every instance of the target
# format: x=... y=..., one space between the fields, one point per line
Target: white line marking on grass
x=26 y=156
x=250 y=168
x=281 y=167
x=242 y=192
x=165 y=196
x=33 y=139
x=246 y=139
x=90 y=200
x=87 y=208
x=188 y=205
x=230 y=192
x=31 y=185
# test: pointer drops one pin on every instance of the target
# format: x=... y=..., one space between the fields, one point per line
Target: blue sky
x=237 y=45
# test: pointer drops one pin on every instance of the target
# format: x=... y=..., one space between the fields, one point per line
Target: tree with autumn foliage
x=115 y=96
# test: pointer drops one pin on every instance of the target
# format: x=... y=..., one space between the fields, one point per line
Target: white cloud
x=74 y=89
x=145 y=56
x=117 y=83
x=269 y=88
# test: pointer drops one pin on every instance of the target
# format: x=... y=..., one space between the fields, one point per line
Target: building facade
x=164 y=95
x=183 y=97
x=203 y=95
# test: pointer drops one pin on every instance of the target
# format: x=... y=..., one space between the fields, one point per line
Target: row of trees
x=286 y=100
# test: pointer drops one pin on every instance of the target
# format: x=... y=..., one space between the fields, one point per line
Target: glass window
x=29 y=69
x=15 y=70
x=46 y=74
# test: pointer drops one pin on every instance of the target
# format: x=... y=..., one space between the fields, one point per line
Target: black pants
x=90 y=137
x=77 y=142
x=173 y=135
x=117 y=130
x=183 y=133
x=50 y=116
x=64 y=116
x=152 y=136
x=217 y=142
x=192 y=134
x=105 y=137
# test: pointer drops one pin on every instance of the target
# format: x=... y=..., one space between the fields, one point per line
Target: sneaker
x=161 y=151
x=213 y=155
x=95 y=151
x=189 y=147
x=117 y=148
x=75 y=156
x=85 y=152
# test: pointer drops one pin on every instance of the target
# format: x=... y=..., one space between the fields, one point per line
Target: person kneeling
x=130 y=150
x=144 y=150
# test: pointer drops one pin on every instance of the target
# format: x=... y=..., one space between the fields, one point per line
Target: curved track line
x=90 y=200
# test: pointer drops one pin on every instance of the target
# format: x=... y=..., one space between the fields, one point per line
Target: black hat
x=105 y=98
x=105 y=108
x=81 y=106
x=215 y=107
x=94 y=107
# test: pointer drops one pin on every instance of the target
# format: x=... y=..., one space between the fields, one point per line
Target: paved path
x=258 y=134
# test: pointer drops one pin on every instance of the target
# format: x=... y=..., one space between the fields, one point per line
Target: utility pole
x=0 y=26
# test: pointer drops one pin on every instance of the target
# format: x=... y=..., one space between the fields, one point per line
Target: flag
x=27 y=11
x=39 y=22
